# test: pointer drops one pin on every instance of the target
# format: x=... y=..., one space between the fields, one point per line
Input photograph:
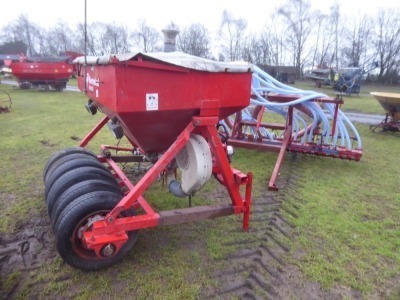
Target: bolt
x=110 y=219
x=108 y=250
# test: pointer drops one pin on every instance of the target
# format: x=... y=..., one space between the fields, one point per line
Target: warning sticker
x=152 y=101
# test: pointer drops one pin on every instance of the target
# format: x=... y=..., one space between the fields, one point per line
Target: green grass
x=364 y=102
x=40 y=124
x=347 y=232
x=352 y=216
x=28 y=139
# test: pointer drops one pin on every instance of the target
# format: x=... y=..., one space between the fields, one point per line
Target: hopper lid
x=174 y=58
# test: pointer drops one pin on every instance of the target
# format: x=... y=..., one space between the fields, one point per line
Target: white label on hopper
x=151 y=101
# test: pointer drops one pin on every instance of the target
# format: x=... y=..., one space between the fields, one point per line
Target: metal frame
x=287 y=143
x=387 y=124
x=113 y=228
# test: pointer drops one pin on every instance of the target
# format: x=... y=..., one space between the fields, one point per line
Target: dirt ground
x=260 y=269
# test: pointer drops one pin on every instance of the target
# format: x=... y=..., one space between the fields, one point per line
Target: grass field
x=363 y=103
x=347 y=232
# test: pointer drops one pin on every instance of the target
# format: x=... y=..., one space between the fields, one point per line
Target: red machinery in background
x=48 y=72
x=168 y=105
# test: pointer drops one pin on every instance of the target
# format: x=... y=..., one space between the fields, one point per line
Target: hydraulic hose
x=263 y=84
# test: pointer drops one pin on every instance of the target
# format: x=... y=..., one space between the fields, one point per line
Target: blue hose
x=263 y=84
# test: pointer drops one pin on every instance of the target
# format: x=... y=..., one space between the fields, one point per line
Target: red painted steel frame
x=387 y=124
x=285 y=143
x=113 y=228
x=93 y=132
x=239 y=139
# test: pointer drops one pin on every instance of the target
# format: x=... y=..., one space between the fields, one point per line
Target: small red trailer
x=51 y=72
x=168 y=105
x=41 y=73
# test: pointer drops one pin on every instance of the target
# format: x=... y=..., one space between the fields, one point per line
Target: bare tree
x=78 y=38
x=43 y=49
x=146 y=38
x=93 y=32
x=252 y=50
x=324 y=41
x=335 y=20
x=274 y=36
x=113 y=38
x=257 y=49
x=298 y=16
x=387 y=41
x=13 y=47
x=59 y=39
x=232 y=33
x=194 y=40
x=265 y=48
x=266 y=42
x=26 y=31
x=295 y=34
x=357 y=40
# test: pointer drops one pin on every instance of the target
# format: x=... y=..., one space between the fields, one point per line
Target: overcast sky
x=159 y=13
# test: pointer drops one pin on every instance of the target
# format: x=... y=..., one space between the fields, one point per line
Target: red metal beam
x=185 y=215
x=286 y=142
x=93 y=132
x=242 y=143
x=247 y=204
x=112 y=229
x=153 y=173
x=288 y=98
x=274 y=126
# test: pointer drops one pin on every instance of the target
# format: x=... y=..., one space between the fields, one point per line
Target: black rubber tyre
x=69 y=166
x=65 y=159
x=76 y=215
x=72 y=177
x=76 y=191
x=68 y=151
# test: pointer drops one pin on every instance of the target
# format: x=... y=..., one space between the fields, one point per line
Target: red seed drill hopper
x=168 y=105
